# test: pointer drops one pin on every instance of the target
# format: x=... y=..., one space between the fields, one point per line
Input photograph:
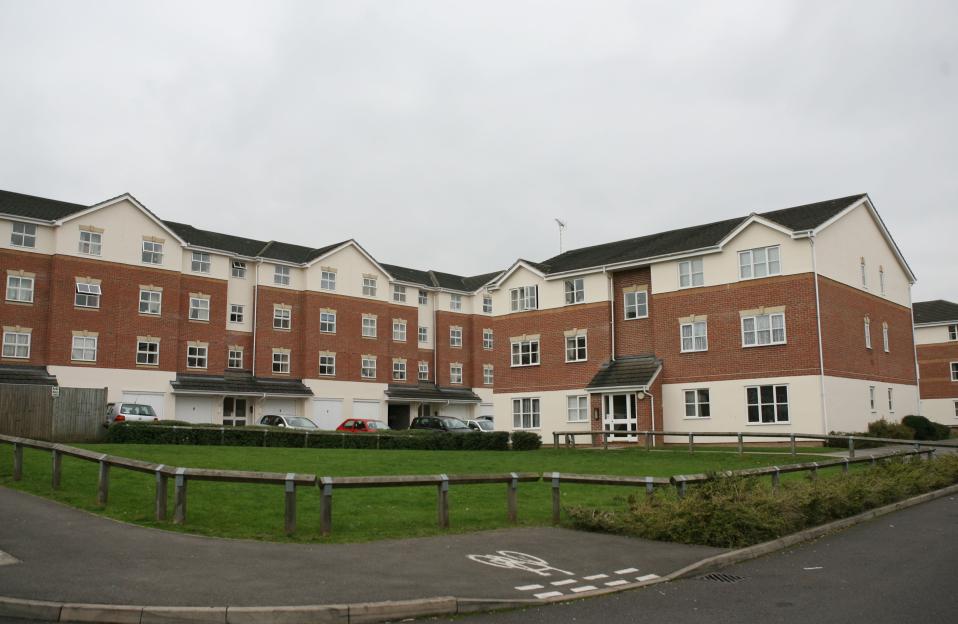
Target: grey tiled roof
x=937 y=311
x=28 y=375
x=437 y=279
x=404 y=274
x=36 y=207
x=214 y=240
x=430 y=392
x=629 y=371
x=239 y=384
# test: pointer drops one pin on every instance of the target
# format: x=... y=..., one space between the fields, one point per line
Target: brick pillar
x=595 y=407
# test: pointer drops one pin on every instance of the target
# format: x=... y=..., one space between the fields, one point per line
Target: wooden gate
x=32 y=411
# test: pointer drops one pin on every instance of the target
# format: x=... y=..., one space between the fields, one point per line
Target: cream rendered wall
x=267 y=275
x=841 y=246
x=220 y=266
x=722 y=268
x=45 y=238
x=944 y=411
x=425 y=320
x=553 y=412
x=848 y=404
x=124 y=226
x=239 y=290
x=350 y=267
x=729 y=408
x=932 y=335
x=349 y=391
x=117 y=381
x=551 y=293
x=444 y=303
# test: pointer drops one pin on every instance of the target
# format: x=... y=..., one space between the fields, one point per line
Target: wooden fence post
x=691 y=442
x=775 y=478
x=741 y=445
x=17 y=461
x=57 y=467
x=326 y=507
x=792 y=440
x=179 y=503
x=681 y=490
x=648 y=441
x=851 y=447
x=649 y=488
x=161 y=487
x=555 y=498
x=103 y=482
x=443 y=501
x=814 y=473
x=513 y=498
x=290 y=503
x=845 y=467
x=605 y=440
x=555 y=440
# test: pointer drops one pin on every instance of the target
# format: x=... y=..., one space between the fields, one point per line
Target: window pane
x=752 y=394
x=753 y=415
x=768 y=413
x=767 y=394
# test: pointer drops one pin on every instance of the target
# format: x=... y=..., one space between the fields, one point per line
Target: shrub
x=926 y=429
x=884 y=429
x=525 y=441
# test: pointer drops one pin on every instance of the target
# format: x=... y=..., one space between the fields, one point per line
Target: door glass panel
x=619 y=409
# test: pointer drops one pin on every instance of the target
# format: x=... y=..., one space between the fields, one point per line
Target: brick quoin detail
x=934 y=361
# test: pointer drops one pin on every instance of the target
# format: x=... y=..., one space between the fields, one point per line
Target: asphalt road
x=897 y=569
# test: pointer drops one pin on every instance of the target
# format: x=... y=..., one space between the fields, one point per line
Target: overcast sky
x=448 y=135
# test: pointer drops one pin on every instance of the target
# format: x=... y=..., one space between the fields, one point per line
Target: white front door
x=619 y=417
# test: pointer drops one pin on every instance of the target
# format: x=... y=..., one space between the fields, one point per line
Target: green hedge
x=910 y=428
x=164 y=433
x=526 y=441
x=925 y=429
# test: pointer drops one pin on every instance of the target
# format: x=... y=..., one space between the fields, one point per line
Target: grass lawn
x=256 y=511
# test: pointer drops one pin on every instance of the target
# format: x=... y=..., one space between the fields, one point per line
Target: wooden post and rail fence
x=290 y=481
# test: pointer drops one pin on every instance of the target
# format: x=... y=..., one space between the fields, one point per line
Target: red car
x=362 y=425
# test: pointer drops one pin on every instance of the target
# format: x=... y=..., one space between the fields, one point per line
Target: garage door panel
x=194 y=409
x=327 y=413
x=463 y=412
x=156 y=400
x=366 y=409
x=281 y=407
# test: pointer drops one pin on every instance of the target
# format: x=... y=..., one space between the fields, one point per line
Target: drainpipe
x=821 y=350
x=255 y=307
x=914 y=346
x=611 y=313
x=435 y=339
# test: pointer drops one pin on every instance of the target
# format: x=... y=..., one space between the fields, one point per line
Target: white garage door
x=154 y=399
x=366 y=409
x=194 y=409
x=463 y=412
x=486 y=409
x=283 y=407
x=327 y=413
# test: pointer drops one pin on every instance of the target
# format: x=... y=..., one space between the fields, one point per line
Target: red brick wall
x=35 y=315
x=213 y=333
x=633 y=336
x=448 y=354
x=843 y=329
x=934 y=361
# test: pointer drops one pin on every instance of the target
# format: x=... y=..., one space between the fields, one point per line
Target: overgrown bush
x=163 y=433
x=884 y=429
x=736 y=512
x=926 y=429
x=526 y=441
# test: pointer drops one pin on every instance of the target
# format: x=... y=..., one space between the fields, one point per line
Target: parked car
x=129 y=412
x=480 y=424
x=440 y=423
x=290 y=422
x=362 y=425
x=485 y=417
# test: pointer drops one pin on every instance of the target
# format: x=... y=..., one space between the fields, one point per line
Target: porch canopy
x=429 y=393
x=632 y=373
x=26 y=375
x=240 y=385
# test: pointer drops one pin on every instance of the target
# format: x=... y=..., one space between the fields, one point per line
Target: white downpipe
x=255 y=307
x=611 y=313
x=914 y=346
x=821 y=350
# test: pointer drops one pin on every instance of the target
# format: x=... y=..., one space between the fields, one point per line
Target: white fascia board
x=116 y=200
x=12 y=217
x=754 y=218
x=617 y=389
x=937 y=324
x=497 y=282
x=363 y=252
x=222 y=252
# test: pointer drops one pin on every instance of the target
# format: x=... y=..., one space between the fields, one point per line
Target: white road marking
x=627 y=571
x=582 y=588
x=6 y=559
x=647 y=577
x=545 y=595
x=564 y=582
x=595 y=577
x=511 y=559
x=616 y=583
x=528 y=587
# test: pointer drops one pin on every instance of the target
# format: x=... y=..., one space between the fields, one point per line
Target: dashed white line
x=564 y=582
x=528 y=587
x=545 y=595
x=647 y=577
x=627 y=571
x=582 y=588
x=616 y=583
x=595 y=577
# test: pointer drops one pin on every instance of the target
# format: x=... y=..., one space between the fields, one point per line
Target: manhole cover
x=718 y=577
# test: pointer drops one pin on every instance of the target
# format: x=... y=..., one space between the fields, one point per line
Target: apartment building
x=796 y=319
x=936 y=337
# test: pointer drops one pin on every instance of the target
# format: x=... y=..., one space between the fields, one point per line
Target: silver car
x=129 y=412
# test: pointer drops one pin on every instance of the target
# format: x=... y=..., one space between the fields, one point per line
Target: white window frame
x=775 y=403
x=282 y=319
x=756 y=330
x=487 y=304
x=872 y=399
x=692 y=339
x=147 y=305
x=692 y=273
x=633 y=302
x=455 y=337
x=399 y=370
x=864 y=271
x=367 y=369
x=369 y=327
x=281 y=362
x=91 y=243
x=148 y=353
x=399 y=293
x=891 y=400
x=423 y=334
x=27 y=235
x=327 y=361
x=748 y=265
x=19 y=288
x=455 y=302
x=423 y=370
x=423 y=297
x=577 y=408
x=526 y=408
x=455 y=374
x=281 y=275
x=238 y=269
x=954 y=370
x=14 y=344
x=953 y=332
x=488 y=339
x=234 y=358
x=524 y=298
x=201 y=262
x=151 y=252
x=868 y=333
x=577 y=347
x=369 y=286
x=90 y=294
x=530 y=348
x=327 y=280
x=327 y=322
x=881 y=280
x=237 y=313
x=487 y=374
x=697 y=403
x=198 y=355
x=84 y=348
x=574 y=291
x=956 y=409
x=884 y=337
x=199 y=309
x=399 y=330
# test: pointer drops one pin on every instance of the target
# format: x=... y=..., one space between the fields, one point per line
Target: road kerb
x=30 y=609
x=101 y=613
x=183 y=615
x=370 y=612
x=314 y=614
